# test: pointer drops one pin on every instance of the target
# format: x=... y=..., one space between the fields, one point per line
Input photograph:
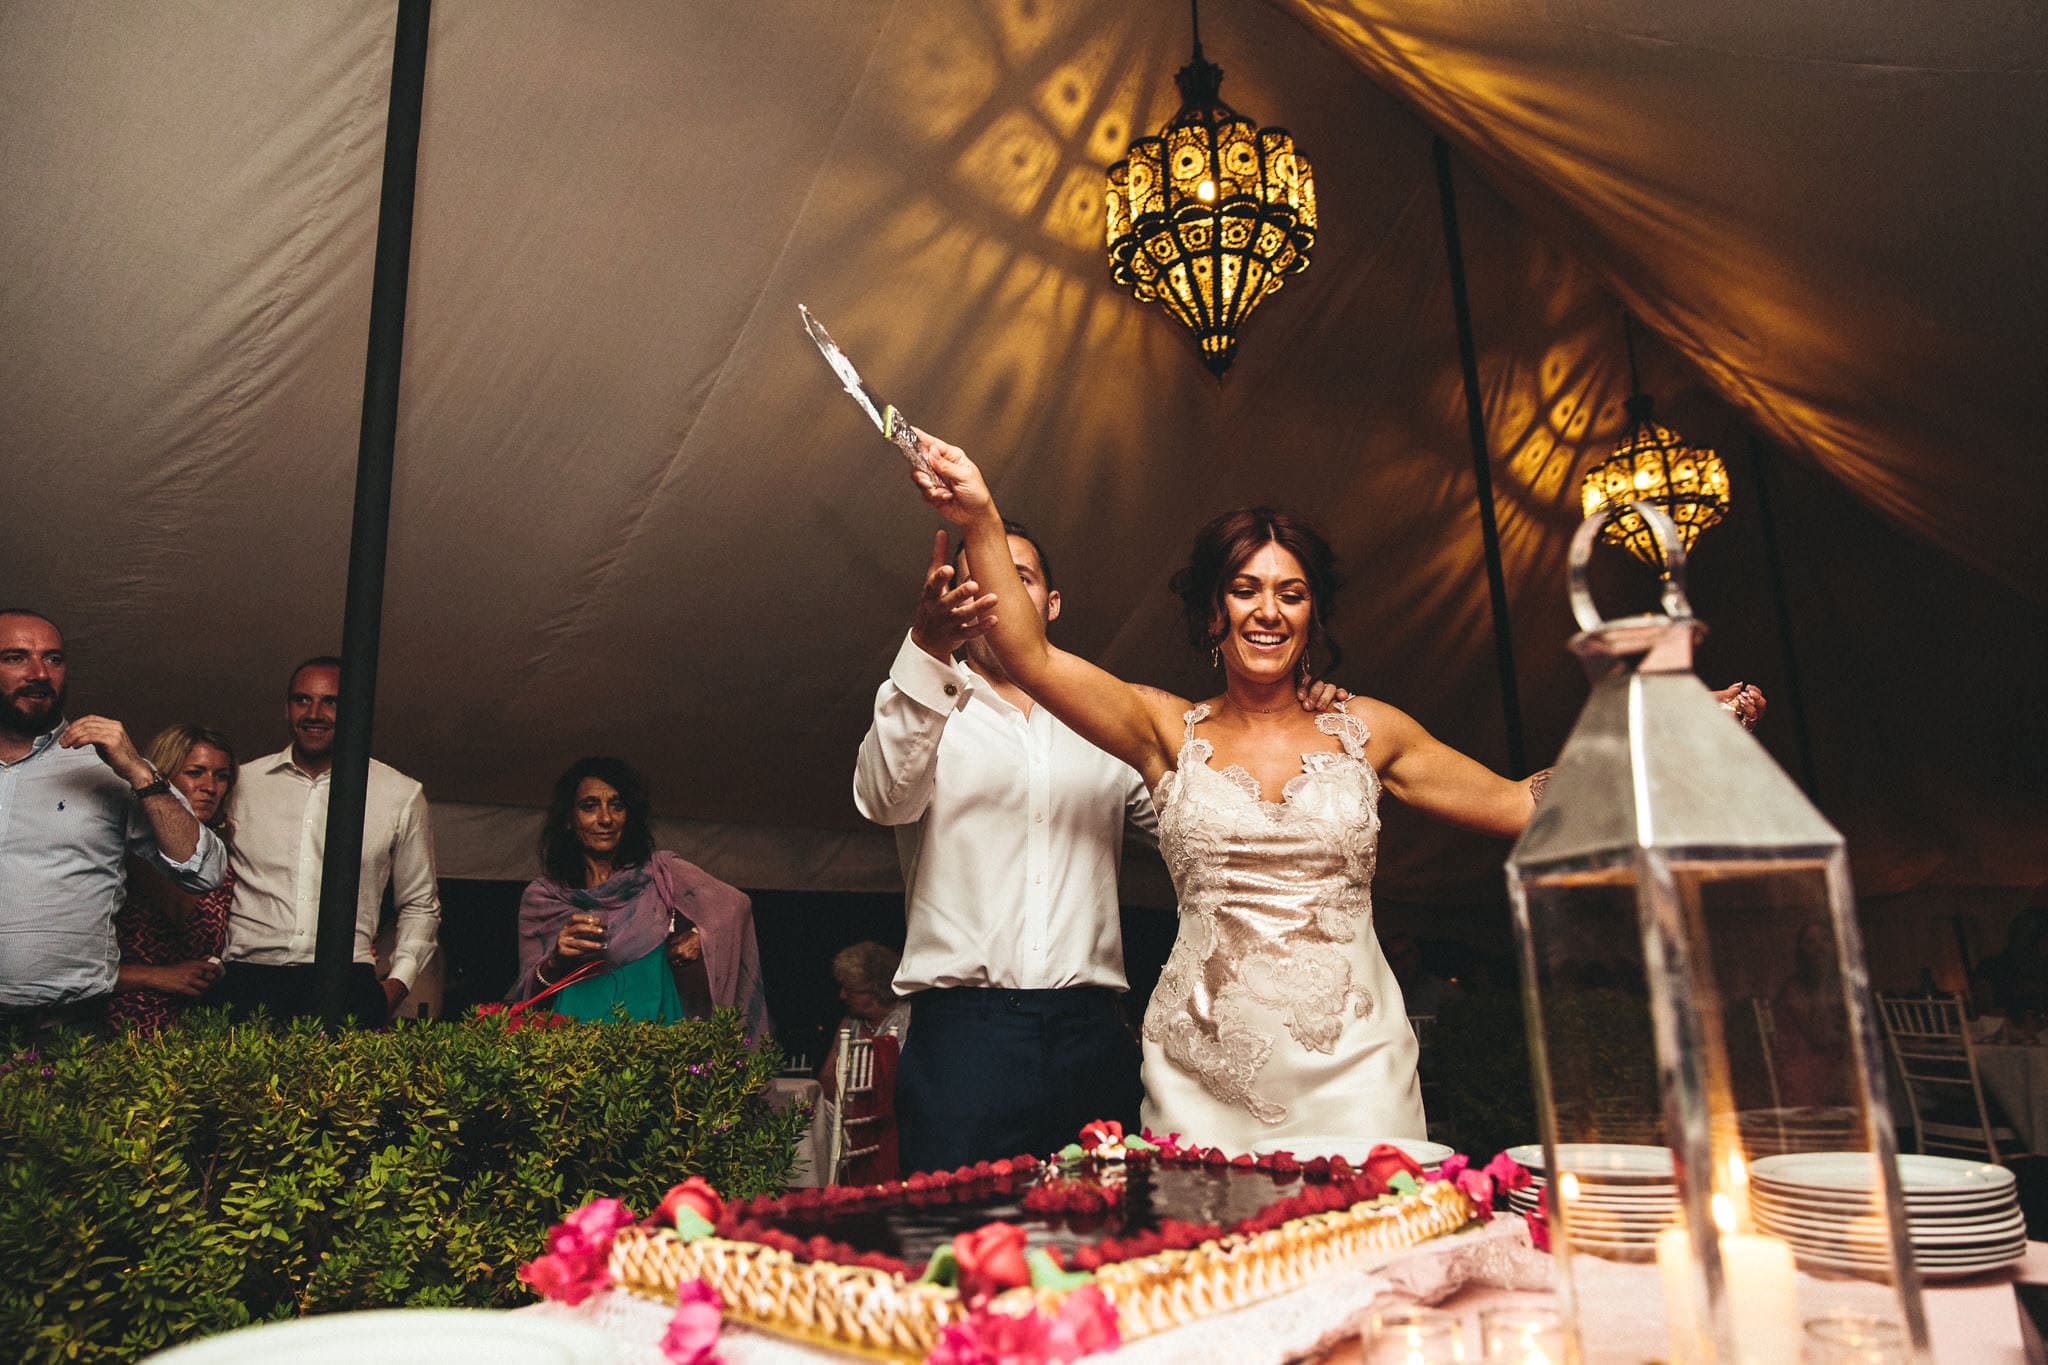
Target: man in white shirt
x=280 y=816
x=1010 y=830
x=76 y=800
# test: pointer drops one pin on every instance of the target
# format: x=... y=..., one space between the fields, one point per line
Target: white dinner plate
x=1918 y=1222
x=1618 y=1205
x=1355 y=1150
x=1608 y=1246
x=1934 y=1176
x=446 y=1336
x=1869 y=1238
x=1933 y=1268
x=1606 y=1163
x=1917 y=1204
x=1621 y=1227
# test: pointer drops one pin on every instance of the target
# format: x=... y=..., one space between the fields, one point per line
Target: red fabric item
x=881 y=1164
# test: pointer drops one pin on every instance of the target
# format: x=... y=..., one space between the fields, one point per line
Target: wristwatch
x=156 y=786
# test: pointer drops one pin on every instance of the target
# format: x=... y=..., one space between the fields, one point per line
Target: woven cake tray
x=879 y=1314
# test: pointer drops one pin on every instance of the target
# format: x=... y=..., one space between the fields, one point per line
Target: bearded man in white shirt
x=280 y=815
x=1010 y=830
x=76 y=799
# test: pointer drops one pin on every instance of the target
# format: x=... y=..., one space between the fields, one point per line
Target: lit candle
x=1765 y=1290
x=1760 y=1281
x=1674 y=1268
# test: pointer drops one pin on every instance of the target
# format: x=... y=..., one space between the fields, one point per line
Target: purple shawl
x=634 y=905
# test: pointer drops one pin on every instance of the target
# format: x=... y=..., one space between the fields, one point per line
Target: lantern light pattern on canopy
x=1210 y=216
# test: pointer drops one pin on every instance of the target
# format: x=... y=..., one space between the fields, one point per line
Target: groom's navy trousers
x=989 y=1073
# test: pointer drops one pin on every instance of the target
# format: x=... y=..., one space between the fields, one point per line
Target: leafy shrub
x=155 y=1189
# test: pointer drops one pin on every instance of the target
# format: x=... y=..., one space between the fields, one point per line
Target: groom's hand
x=1321 y=695
x=949 y=614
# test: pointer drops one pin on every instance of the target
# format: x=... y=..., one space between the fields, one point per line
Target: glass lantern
x=1715 y=1135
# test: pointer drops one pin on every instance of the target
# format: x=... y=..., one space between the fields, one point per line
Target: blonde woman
x=171 y=938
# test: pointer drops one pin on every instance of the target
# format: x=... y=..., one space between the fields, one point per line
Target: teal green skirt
x=645 y=989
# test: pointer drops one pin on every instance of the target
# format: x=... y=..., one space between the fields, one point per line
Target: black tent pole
x=1482 y=469
x=1795 y=692
x=362 y=613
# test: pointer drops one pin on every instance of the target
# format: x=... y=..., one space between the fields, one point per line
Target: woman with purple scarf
x=626 y=925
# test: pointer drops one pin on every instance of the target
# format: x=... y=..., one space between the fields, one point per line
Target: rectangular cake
x=1165 y=1236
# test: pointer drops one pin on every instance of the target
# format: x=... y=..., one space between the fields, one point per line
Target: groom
x=1010 y=829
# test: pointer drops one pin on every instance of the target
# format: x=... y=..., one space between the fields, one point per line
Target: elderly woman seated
x=617 y=925
x=866 y=973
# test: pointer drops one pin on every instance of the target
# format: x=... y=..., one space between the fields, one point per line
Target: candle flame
x=1568 y=1186
x=1724 y=1212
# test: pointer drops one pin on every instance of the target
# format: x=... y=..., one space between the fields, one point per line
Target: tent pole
x=1482 y=469
x=1795 y=692
x=362 y=613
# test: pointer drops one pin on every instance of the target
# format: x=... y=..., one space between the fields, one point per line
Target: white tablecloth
x=813 y=1147
x=2016 y=1075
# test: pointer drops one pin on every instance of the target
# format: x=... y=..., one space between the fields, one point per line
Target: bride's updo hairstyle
x=1222 y=549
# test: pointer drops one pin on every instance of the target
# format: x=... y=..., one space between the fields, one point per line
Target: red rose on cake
x=694 y=1194
x=1102 y=1133
x=1385 y=1161
x=991 y=1260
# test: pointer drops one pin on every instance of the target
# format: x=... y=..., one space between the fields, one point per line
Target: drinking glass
x=1849 y=1339
x=1414 y=1336
x=1521 y=1336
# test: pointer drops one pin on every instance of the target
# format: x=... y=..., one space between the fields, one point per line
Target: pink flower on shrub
x=578 y=1247
x=692 y=1336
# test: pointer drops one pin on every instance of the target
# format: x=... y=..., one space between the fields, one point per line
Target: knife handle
x=897 y=427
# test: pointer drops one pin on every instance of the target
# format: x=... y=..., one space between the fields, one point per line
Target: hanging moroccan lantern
x=1212 y=215
x=1655 y=465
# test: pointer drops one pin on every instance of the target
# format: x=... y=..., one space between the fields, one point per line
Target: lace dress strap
x=1194 y=716
x=1348 y=730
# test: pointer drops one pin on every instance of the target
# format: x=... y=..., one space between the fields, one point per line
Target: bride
x=1276 y=1017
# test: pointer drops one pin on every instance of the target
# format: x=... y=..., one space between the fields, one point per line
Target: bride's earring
x=1301 y=669
x=1216 y=656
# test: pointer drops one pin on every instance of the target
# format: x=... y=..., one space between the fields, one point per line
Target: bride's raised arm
x=1137 y=725
x=1421 y=770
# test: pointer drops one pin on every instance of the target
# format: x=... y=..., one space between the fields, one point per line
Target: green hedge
x=157 y=1189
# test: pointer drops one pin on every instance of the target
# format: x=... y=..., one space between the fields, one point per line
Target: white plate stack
x=1962 y=1217
x=1617 y=1197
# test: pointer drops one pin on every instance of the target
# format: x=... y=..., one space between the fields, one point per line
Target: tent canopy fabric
x=633 y=514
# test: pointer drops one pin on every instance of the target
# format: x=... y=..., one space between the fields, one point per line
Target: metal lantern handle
x=1669 y=544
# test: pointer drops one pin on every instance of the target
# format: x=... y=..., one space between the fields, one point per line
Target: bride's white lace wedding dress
x=1276 y=1016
